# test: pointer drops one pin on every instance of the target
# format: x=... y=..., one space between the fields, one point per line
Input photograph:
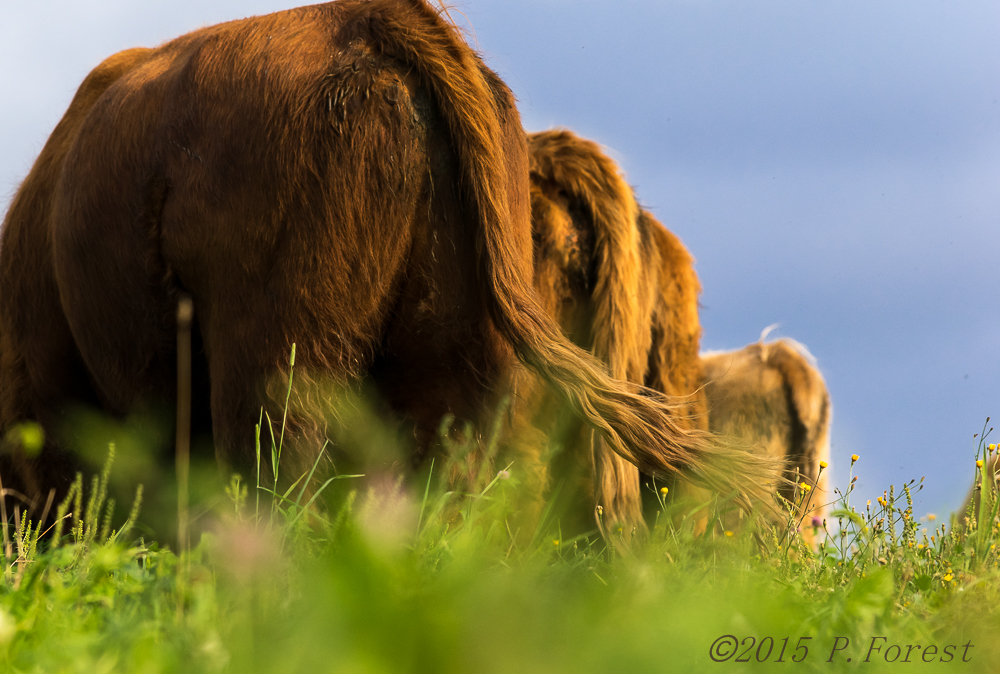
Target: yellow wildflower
x=664 y=490
x=854 y=457
x=729 y=534
x=823 y=464
x=931 y=516
x=979 y=463
x=948 y=577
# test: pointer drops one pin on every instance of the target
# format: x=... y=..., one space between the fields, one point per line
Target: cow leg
x=250 y=369
x=42 y=373
x=41 y=376
x=118 y=303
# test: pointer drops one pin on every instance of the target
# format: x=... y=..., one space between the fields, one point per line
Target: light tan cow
x=772 y=396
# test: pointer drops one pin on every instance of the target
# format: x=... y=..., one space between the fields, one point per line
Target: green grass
x=427 y=580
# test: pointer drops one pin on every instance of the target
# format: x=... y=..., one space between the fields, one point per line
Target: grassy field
x=438 y=582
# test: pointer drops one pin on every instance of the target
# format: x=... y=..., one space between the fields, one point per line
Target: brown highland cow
x=623 y=286
x=348 y=177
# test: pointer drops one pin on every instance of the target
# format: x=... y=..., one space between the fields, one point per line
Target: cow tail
x=637 y=424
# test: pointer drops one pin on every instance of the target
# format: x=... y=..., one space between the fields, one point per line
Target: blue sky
x=834 y=168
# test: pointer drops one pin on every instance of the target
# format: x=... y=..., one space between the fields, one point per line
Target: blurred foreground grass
x=438 y=582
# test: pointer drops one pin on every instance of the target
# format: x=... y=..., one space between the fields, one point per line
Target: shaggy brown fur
x=348 y=177
x=622 y=285
x=771 y=395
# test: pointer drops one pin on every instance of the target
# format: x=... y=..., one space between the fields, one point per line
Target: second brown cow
x=622 y=285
